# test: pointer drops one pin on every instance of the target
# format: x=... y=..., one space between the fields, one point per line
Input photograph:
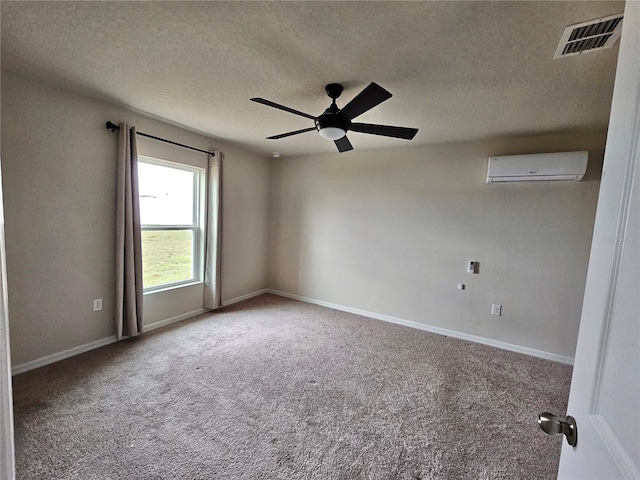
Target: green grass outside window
x=166 y=257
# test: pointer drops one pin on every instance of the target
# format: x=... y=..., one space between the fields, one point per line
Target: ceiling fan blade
x=368 y=98
x=385 y=130
x=288 y=134
x=343 y=144
x=269 y=103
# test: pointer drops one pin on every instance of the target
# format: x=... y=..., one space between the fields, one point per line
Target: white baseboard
x=428 y=328
x=56 y=357
x=42 y=361
x=243 y=297
x=176 y=319
x=184 y=316
x=46 y=360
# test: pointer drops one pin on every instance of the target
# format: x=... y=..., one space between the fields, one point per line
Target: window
x=171 y=205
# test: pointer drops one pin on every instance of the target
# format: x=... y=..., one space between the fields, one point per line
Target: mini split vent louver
x=590 y=36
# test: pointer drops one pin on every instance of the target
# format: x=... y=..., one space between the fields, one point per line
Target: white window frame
x=197 y=227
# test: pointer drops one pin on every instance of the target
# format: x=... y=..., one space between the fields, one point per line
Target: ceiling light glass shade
x=332 y=133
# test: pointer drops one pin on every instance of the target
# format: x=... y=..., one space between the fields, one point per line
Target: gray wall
x=387 y=231
x=58 y=165
x=391 y=232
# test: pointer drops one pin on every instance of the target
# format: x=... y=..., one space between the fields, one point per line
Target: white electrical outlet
x=299 y=273
x=496 y=310
x=97 y=304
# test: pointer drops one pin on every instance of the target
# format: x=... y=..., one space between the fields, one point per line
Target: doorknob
x=553 y=425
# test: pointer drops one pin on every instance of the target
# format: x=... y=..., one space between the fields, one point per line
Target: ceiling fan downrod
x=331 y=125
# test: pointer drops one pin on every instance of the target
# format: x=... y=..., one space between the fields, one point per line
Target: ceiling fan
x=335 y=122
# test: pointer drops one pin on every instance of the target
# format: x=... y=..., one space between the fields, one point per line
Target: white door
x=605 y=389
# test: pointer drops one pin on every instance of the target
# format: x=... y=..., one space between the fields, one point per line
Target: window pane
x=166 y=195
x=167 y=257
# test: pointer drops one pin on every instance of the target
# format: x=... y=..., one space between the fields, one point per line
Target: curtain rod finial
x=112 y=126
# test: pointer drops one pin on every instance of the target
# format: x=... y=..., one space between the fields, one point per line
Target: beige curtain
x=212 y=262
x=128 y=238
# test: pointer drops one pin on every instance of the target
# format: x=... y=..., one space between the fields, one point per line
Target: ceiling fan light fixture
x=332 y=133
x=331 y=125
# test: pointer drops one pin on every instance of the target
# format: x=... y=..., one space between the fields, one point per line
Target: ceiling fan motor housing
x=332 y=119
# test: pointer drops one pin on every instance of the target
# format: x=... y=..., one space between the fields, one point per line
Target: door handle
x=553 y=425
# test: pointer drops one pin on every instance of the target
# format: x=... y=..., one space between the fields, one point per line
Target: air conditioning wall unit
x=541 y=167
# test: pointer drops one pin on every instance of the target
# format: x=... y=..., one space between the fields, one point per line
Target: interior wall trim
x=429 y=328
x=48 y=359
x=243 y=297
x=176 y=319
x=56 y=357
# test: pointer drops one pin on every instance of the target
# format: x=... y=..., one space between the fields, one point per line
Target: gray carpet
x=277 y=389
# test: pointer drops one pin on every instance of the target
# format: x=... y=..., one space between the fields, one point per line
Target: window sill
x=172 y=287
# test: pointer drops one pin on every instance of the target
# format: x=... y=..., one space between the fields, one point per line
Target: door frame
x=7 y=456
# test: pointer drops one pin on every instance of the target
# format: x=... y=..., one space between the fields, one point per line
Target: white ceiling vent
x=590 y=36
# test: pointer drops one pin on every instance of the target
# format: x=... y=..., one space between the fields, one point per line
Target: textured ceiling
x=458 y=70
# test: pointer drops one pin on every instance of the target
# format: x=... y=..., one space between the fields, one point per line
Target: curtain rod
x=113 y=127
